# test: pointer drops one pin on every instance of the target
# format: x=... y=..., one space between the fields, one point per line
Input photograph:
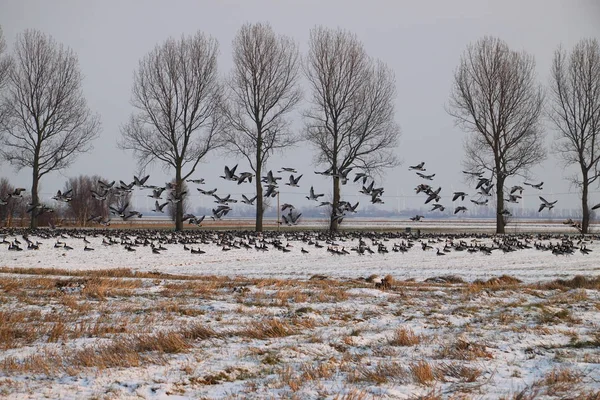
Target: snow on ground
x=252 y=324
x=526 y=264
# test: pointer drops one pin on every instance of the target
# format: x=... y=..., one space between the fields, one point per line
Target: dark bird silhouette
x=418 y=167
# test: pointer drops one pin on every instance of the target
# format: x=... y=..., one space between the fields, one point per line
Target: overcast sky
x=421 y=41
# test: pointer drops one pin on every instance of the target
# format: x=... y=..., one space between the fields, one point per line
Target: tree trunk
x=259 y=202
x=499 y=204
x=179 y=204
x=333 y=226
x=585 y=211
x=34 y=196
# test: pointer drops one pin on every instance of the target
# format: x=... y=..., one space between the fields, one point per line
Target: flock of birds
x=111 y=190
x=343 y=243
x=484 y=188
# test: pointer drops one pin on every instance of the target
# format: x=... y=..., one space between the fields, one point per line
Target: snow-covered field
x=530 y=265
x=234 y=322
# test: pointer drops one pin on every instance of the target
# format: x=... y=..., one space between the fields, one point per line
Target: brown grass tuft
x=267 y=329
x=578 y=282
x=422 y=372
x=405 y=337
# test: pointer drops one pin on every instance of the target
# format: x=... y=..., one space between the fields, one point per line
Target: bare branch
x=496 y=100
x=575 y=113
x=177 y=96
x=47 y=122
x=351 y=118
x=263 y=90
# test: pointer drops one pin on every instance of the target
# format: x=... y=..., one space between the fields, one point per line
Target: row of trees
x=182 y=110
x=496 y=99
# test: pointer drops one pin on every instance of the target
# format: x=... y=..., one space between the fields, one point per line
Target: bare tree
x=177 y=96
x=47 y=121
x=5 y=62
x=575 y=111
x=83 y=205
x=263 y=89
x=351 y=118
x=495 y=98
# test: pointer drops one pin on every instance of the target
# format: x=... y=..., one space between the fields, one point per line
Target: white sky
x=421 y=41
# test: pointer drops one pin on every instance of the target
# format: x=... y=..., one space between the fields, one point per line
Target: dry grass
x=422 y=372
x=560 y=380
x=405 y=337
x=578 y=282
x=460 y=372
x=267 y=329
x=381 y=373
x=130 y=321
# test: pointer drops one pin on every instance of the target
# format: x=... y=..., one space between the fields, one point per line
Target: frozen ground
x=110 y=323
x=527 y=264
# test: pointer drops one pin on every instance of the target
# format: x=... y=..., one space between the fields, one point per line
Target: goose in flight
x=208 y=192
x=271 y=192
x=118 y=210
x=376 y=200
x=459 y=209
x=478 y=174
x=428 y=177
x=229 y=173
x=125 y=186
x=513 y=198
x=343 y=175
x=423 y=188
x=368 y=189
x=140 y=182
x=546 y=204
x=286 y=169
x=285 y=206
x=159 y=207
x=418 y=167
x=536 y=185
x=156 y=193
x=328 y=171
x=248 y=201
x=245 y=176
x=417 y=218
x=224 y=200
x=104 y=185
x=485 y=190
x=456 y=195
x=270 y=179
x=196 y=220
x=597 y=206
x=516 y=188
x=505 y=213
x=99 y=196
x=480 y=202
x=196 y=181
x=220 y=212
x=351 y=208
x=294 y=181
x=483 y=182
x=313 y=196
x=438 y=206
x=64 y=197
x=361 y=175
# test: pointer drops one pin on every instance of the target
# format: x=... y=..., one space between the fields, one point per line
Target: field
x=248 y=317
